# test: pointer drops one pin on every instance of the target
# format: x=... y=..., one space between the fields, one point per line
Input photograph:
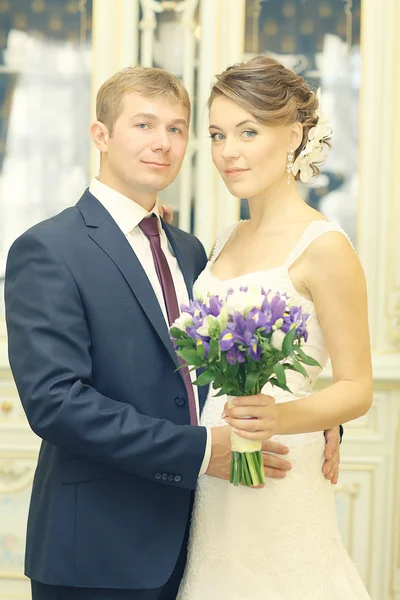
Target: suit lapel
x=106 y=234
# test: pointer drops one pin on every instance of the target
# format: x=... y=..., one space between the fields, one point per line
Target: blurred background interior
x=54 y=55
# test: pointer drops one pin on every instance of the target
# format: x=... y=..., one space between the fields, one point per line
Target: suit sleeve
x=49 y=353
x=201 y=258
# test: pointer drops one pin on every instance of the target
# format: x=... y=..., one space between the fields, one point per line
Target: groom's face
x=148 y=143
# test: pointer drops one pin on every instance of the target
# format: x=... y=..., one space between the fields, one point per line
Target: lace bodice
x=278 y=279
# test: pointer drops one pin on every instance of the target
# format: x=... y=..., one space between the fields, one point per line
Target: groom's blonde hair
x=146 y=81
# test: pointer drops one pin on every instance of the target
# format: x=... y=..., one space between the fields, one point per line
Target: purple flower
x=195 y=308
x=234 y=355
x=256 y=319
x=298 y=319
x=227 y=340
x=215 y=305
x=191 y=308
x=192 y=331
x=206 y=347
x=255 y=351
x=278 y=307
x=242 y=330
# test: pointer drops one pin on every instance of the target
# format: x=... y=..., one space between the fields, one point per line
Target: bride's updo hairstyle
x=273 y=94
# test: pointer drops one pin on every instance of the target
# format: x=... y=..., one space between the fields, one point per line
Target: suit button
x=157 y=476
x=180 y=401
x=164 y=476
x=170 y=478
x=177 y=478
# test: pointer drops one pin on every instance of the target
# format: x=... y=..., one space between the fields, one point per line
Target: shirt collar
x=126 y=212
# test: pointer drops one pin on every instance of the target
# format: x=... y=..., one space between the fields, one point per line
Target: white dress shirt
x=128 y=214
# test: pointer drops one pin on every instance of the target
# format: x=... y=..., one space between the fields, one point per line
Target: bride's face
x=250 y=157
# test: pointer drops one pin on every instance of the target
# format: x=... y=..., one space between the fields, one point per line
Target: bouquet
x=242 y=341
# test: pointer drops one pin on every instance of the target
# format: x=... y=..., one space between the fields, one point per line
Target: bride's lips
x=235 y=172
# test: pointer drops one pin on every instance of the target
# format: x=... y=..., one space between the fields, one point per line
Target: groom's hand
x=331 y=465
x=274 y=466
x=219 y=466
x=220 y=461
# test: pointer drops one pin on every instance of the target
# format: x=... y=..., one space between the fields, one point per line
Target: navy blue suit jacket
x=96 y=372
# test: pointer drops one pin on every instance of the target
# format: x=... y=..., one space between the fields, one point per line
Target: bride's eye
x=249 y=133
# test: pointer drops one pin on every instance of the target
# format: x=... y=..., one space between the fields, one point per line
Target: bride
x=280 y=542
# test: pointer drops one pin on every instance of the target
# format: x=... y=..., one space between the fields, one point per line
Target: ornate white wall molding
x=16 y=474
x=395 y=541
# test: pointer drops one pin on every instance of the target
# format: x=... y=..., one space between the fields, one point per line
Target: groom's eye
x=216 y=137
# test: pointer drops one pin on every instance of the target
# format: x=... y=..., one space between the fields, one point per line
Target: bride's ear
x=296 y=135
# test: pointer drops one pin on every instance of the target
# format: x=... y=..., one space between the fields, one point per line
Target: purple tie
x=149 y=226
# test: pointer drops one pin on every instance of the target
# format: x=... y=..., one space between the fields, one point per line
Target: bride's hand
x=253 y=417
x=166 y=211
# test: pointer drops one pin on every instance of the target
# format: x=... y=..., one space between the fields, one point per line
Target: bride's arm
x=337 y=286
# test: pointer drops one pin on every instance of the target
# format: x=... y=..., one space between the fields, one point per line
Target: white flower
x=183 y=321
x=278 y=324
x=314 y=151
x=207 y=323
x=277 y=339
x=241 y=301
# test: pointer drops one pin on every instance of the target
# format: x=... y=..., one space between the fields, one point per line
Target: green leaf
x=214 y=350
x=288 y=342
x=205 y=378
x=223 y=362
x=299 y=368
x=200 y=351
x=185 y=343
x=232 y=371
x=178 y=333
x=273 y=381
x=251 y=382
x=307 y=360
x=280 y=374
x=190 y=357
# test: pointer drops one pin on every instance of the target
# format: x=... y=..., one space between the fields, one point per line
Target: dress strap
x=314 y=230
x=221 y=241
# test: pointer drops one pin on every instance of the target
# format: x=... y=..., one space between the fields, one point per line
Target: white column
x=205 y=191
x=222 y=44
x=189 y=65
x=115 y=35
x=378 y=223
x=147 y=26
x=231 y=50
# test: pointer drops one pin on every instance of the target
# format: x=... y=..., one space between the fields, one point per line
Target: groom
x=89 y=296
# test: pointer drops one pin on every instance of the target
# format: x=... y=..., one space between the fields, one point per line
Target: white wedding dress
x=280 y=542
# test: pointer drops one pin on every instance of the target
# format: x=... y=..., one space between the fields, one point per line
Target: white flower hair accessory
x=315 y=151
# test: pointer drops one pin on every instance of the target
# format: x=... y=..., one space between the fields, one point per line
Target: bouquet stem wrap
x=247 y=466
